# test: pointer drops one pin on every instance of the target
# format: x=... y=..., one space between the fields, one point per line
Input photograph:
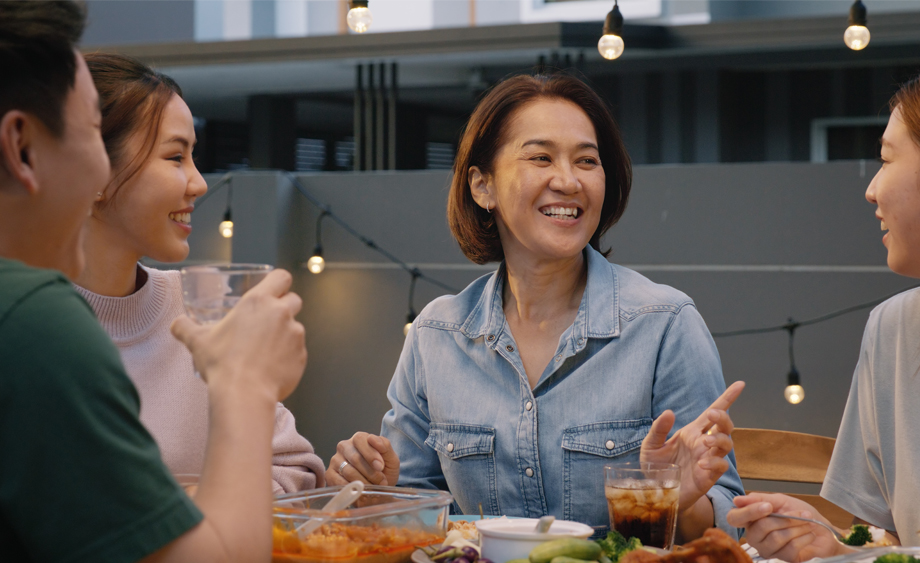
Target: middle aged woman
x=145 y=210
x=516 y=392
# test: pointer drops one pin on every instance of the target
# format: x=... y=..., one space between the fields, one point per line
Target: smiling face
x=151 y=213
x=70 y=170
x=895 y=191
x=546 y=187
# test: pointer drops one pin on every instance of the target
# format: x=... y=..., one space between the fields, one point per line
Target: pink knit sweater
x=174 y=403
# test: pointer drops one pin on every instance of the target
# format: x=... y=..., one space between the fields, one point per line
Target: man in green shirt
x=80 y=477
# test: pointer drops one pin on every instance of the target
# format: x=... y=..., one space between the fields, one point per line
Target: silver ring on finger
x=342 y=467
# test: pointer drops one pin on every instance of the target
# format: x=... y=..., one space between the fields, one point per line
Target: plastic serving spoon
x=342 y=500
x=544 y=524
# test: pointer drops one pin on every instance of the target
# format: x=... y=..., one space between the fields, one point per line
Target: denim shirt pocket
x=586 y=449
x=467 y=456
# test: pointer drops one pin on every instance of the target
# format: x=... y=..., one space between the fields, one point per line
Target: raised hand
x=699 y=448
x=363 y=457
x=782 y=538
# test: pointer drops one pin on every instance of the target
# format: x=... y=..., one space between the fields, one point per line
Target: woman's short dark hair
x=472 y=226
x=132 y=97
x=38 y=64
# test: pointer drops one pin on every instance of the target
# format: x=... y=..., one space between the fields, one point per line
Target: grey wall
x=123 y=22
x=753 y=244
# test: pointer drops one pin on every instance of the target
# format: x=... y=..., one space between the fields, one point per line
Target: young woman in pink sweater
x=145 y=210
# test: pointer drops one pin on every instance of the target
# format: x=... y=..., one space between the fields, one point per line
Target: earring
x=489 y=207
x=98 y=196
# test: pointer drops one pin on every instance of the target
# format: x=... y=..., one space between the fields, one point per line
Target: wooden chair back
x=776 y=455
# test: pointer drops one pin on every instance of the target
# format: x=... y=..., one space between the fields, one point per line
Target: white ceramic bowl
x=505 y=539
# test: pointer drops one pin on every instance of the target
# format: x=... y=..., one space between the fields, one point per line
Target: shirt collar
x=598 y=314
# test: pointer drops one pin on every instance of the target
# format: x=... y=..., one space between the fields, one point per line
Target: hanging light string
x=363 y=239
x=816 y=320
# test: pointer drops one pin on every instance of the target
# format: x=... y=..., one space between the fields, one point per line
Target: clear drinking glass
x=209 y=292
x=642 y=498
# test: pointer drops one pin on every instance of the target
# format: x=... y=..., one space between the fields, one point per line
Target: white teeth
x=556 y=211
x=181 y=217
x=884 y=226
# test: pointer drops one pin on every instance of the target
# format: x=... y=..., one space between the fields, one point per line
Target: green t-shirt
x=80 y=477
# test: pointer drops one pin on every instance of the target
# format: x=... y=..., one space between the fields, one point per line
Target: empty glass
x=209 y=292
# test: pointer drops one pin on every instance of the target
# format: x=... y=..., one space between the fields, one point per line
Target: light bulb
x=795 y=394
x=856 y=37
x=359 y=19
x=316 y=264
x=406 y=329
x=610 y=46
x=226 y=229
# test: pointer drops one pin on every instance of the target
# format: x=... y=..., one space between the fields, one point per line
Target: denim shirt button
x=581 y=341
x=528 y=472
x=450 y=447
x=491 y=337
x=510 y=348
x=610 y=445
x=559 y=358
x=529 y=405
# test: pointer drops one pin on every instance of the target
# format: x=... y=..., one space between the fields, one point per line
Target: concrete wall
x=753 y=244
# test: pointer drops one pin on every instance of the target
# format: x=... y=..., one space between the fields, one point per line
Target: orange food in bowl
x=341 y=543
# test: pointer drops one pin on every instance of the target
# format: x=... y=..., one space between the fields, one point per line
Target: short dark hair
x=132 y=97
x=472 y=226
x=38 y=64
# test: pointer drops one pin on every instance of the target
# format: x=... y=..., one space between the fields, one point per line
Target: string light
x=611 y=43
x=226 y=226
x=857 y=35
x=794 y=392
x=359 y=16
x=411 y=316
x=316 y=264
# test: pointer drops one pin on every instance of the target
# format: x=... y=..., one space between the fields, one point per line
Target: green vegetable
x=615 y=545
x=518 y=561
x=586 y=550
x=859 y=535
x=564 y=559
x=897 y=558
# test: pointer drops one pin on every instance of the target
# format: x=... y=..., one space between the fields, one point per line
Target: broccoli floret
x=615 y=545
x=896 y=558
x=859 y=535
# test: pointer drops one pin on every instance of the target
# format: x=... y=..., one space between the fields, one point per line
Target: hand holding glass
x=209 y=292
x=642 y=498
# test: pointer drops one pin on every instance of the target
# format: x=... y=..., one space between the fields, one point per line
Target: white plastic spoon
x=342 y=500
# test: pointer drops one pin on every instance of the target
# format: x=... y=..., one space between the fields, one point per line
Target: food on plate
x=453 y=554
x=714 y=547
x=896 y=558
x=467 y=529
x=859 y=535
x=614 y=546
x=342 y=543
x=569 y=548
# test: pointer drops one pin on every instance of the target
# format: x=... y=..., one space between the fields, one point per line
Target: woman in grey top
x=873 y=469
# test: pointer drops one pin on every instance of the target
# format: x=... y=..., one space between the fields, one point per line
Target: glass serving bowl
x=385 y=525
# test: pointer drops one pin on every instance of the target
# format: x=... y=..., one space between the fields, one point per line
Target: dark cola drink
x=644 y=509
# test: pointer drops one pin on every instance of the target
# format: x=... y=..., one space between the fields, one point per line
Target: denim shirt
x=464 y=417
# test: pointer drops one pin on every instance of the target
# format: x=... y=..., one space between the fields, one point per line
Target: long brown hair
x=132 y=97
x=472 y=226
x=908 y=99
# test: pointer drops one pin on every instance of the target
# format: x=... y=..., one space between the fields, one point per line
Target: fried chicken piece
x=714 y=547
